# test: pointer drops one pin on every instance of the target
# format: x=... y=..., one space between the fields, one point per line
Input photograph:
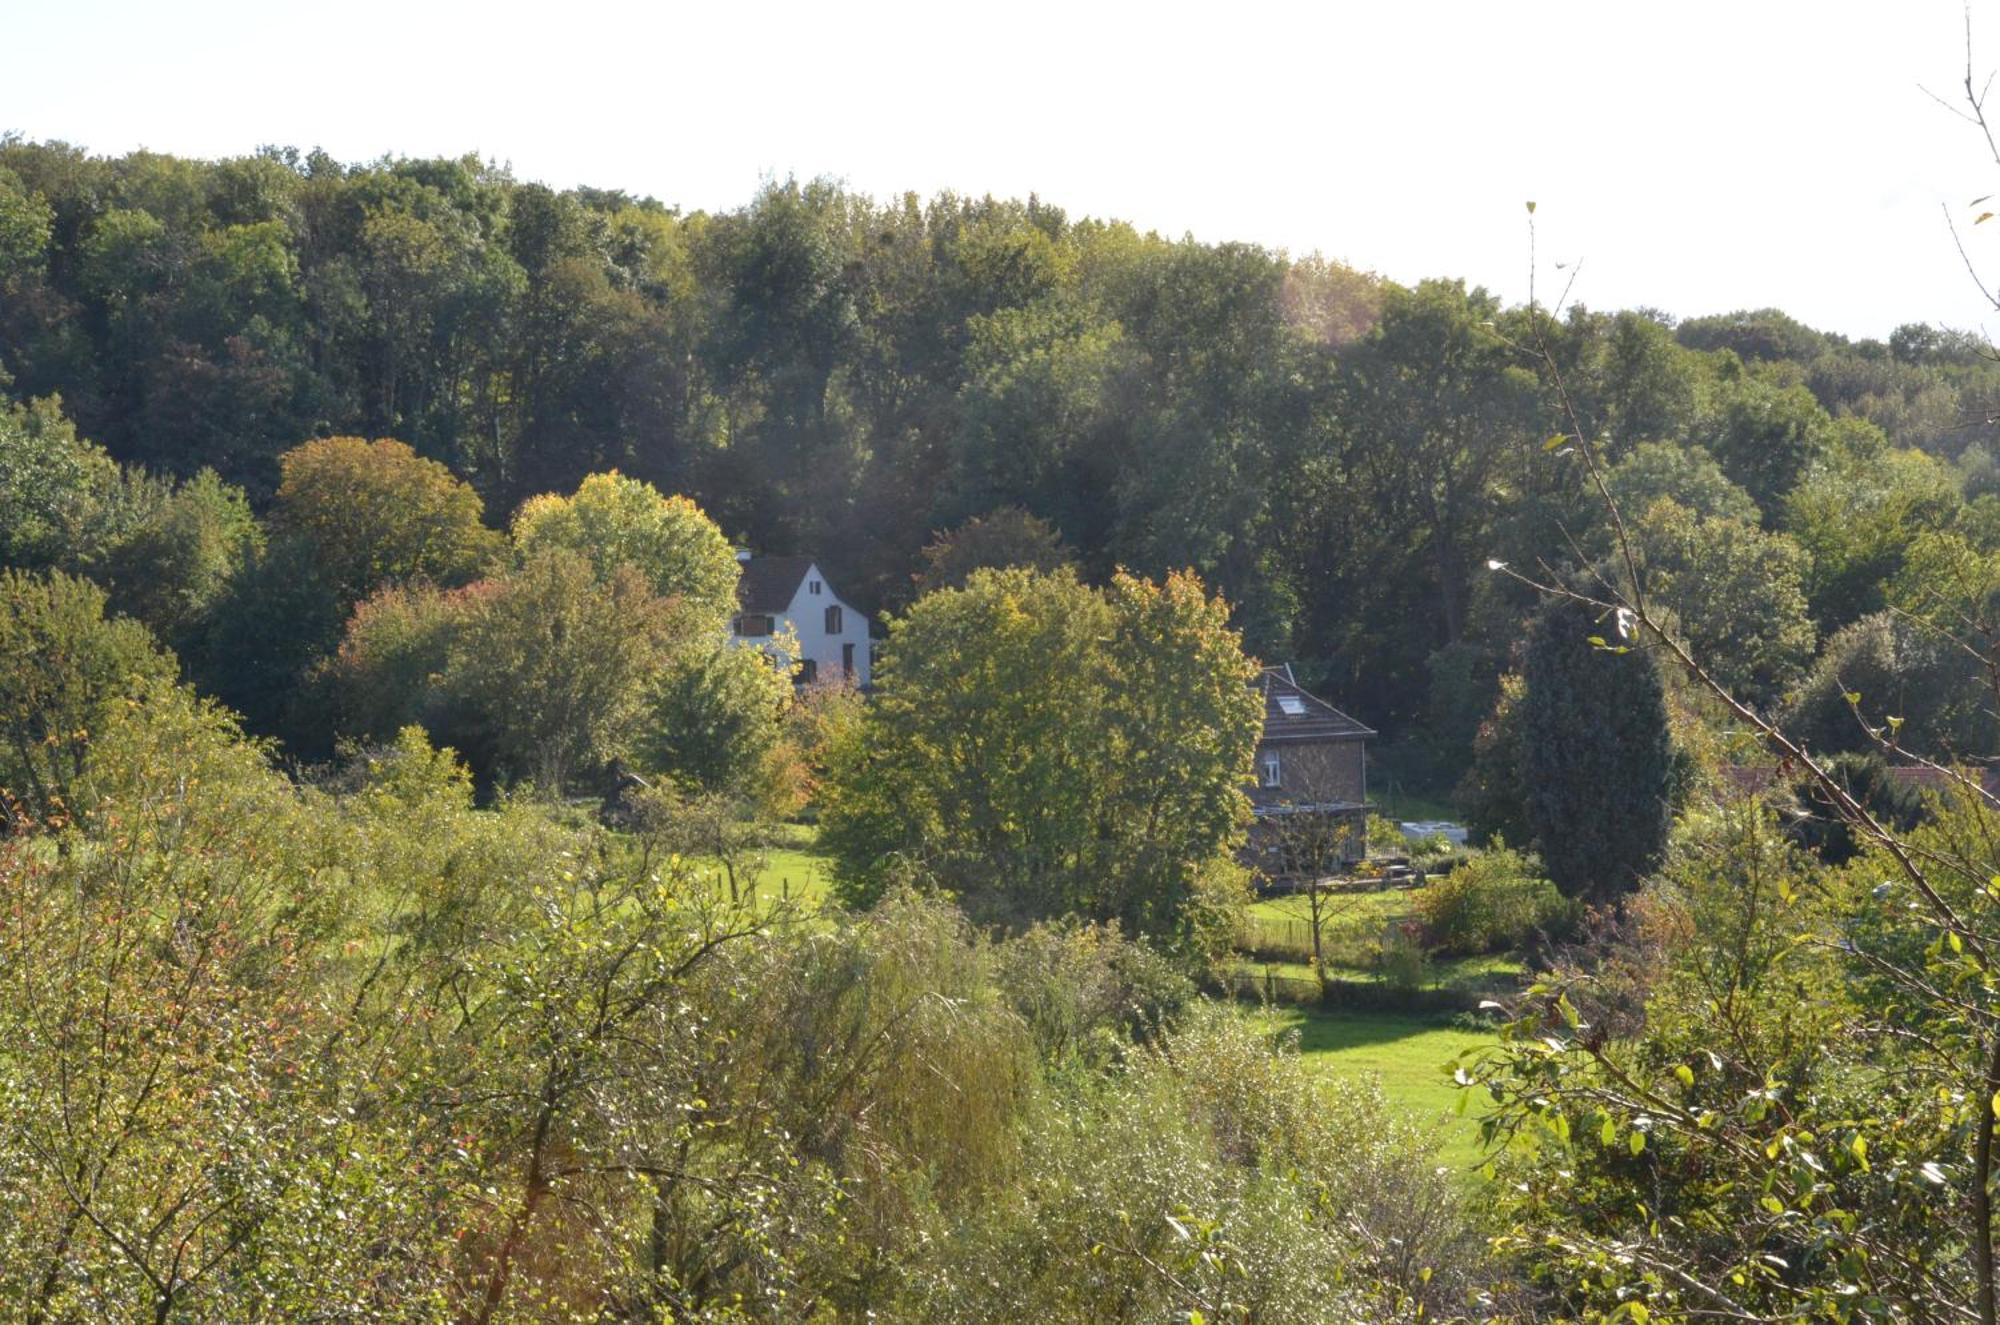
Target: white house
x=779 y=594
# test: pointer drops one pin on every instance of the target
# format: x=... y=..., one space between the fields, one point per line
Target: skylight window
x=1293 y=706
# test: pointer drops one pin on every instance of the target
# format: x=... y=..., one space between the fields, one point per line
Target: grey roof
x=1317 y=720
x=768 y=584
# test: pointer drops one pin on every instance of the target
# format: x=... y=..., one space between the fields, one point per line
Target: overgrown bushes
x=1495 y=900
x=534 y=1082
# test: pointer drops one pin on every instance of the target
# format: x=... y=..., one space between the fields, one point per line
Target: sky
x=1696 y=157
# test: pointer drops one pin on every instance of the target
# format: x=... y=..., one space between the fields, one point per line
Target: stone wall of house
x=1312 y=772
x=1293 y=846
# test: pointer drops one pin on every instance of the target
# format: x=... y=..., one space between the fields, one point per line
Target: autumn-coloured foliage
x=376 y=512
x=614 y=521
x=64 y=672
x=1041 y=747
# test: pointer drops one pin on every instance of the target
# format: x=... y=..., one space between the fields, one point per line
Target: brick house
x=1309 y=791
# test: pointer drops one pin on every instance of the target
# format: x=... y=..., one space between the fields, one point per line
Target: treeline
x=827 y=372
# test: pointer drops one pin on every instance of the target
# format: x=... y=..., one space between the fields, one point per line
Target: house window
x=812 y=587
x=808 y=672
x=1272 y=774
x=847 y=659
x=833 y=619
x=749 y=624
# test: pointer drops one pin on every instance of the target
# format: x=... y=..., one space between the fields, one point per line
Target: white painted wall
x=806 y=619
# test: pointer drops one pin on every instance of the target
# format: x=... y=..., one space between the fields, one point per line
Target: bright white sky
x=1697 y=156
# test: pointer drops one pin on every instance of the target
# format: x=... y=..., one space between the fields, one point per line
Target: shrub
x=1386 y=836
x=1085 y=991
x=1494 y=900
x=64 y=672
x=1212 y=1180
x=1401 y=959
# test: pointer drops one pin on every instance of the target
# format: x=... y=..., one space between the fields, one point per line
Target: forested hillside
x=416 y=907
x=843 y=375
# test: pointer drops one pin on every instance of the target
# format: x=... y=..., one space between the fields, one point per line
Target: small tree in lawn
x=1309 y=847
x=1597 y=759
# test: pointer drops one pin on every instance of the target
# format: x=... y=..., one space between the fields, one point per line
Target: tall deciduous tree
x=1767 y=438
x=373 y=513
x=614 y=521
x=1043 y=748
x=1439 y=411
x=175 y=563
x=1737 y=593
x=554 y=662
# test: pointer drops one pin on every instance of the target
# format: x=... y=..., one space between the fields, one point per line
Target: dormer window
x=1271 y=773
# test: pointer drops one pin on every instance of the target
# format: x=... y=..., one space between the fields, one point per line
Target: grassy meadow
x=1410 y=1055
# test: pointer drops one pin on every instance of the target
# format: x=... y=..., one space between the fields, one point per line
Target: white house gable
x=780 y=595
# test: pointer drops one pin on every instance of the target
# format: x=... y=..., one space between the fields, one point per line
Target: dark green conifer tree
x=1596 y=758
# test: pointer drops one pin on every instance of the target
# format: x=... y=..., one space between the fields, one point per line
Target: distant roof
x=1294 y=714
x=768 y=584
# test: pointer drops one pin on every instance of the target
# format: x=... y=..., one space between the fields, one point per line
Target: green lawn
x=791 y=871
x=1418 y=809
x=1411 y=1056
x=789 y=867
x=1377 y=908
x=795 y=872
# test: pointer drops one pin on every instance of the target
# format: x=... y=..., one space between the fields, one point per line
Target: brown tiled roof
x=1316 y=720
x=769 y=583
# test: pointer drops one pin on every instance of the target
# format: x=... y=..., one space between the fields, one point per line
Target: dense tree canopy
x=614 y=521
x=1042 y=748
x=375 y=513
x=838 y=375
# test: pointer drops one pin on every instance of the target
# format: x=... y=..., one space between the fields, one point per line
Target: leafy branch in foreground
x=1799 y=1122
